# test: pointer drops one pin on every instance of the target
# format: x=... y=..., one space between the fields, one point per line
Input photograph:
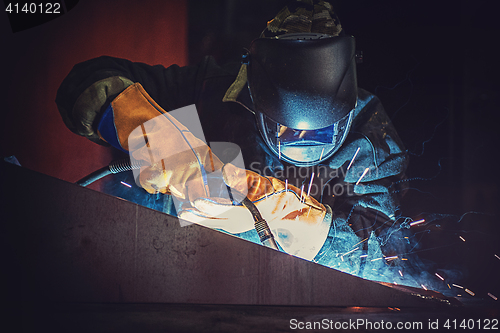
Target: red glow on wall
x=37 y=60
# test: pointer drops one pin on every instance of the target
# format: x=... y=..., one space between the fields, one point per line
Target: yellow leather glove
x=174 y=159
x=299 y=223
x=90 y=104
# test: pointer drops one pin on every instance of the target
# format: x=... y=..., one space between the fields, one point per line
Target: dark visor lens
x=304 y=147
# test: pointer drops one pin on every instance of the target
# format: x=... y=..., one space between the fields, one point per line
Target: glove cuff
x=129 y=110
x=107 y=130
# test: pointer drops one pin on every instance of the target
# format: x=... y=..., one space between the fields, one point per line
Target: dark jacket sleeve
x=172 y=87
x=373 y=162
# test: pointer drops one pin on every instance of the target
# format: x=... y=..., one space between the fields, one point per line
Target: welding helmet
x=303 y=88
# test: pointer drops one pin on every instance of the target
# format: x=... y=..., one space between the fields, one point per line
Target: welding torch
x=264 y=232
x=265 y=235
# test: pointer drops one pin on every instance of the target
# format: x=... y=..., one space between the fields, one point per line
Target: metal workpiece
x=65 y=243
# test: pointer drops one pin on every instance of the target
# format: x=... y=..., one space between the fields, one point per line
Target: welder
x=321 y=156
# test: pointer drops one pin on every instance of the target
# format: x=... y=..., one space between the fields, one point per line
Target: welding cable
x=113 y=168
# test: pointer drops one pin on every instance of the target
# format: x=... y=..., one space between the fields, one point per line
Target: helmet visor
x=304 y=147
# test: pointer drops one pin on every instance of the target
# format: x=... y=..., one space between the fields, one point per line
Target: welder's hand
x=181 y=174
x=174 y=160
x=92 y=102
x=299 y=223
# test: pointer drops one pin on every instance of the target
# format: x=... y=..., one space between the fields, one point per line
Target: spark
x=400 y=273
x=349 y=252
x=301 y=192
x=310 y=183
x=462 y=238
x=456 y=285
x=364 y=173
x=286 y=185
x=449 y=286
x=128 y=185
x=492 y=296
x=497 y=257
x=322 y=151
x=391 y=258
x=439 y=276
x=417 y=222
x=423 y=287
x=352 y=160
x=364 y=240
x=279 y=150
x=469 y=292
x=363 y=256
x=377 y=259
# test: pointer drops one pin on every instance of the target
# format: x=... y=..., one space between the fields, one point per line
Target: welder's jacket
x=364 y=200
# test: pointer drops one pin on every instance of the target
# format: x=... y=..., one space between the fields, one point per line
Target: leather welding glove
x=92 y=103
x=178 y=163
x=299 y=223
x=173 y=158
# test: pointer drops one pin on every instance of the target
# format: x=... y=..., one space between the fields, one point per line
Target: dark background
x=432 y=63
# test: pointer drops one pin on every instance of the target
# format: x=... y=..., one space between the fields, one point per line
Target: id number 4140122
x=33 y=8
x=478 y=324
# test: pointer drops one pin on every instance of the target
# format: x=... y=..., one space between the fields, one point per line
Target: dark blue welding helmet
x=304 y=90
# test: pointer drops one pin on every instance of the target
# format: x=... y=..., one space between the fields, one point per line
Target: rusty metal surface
x=65 y=243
